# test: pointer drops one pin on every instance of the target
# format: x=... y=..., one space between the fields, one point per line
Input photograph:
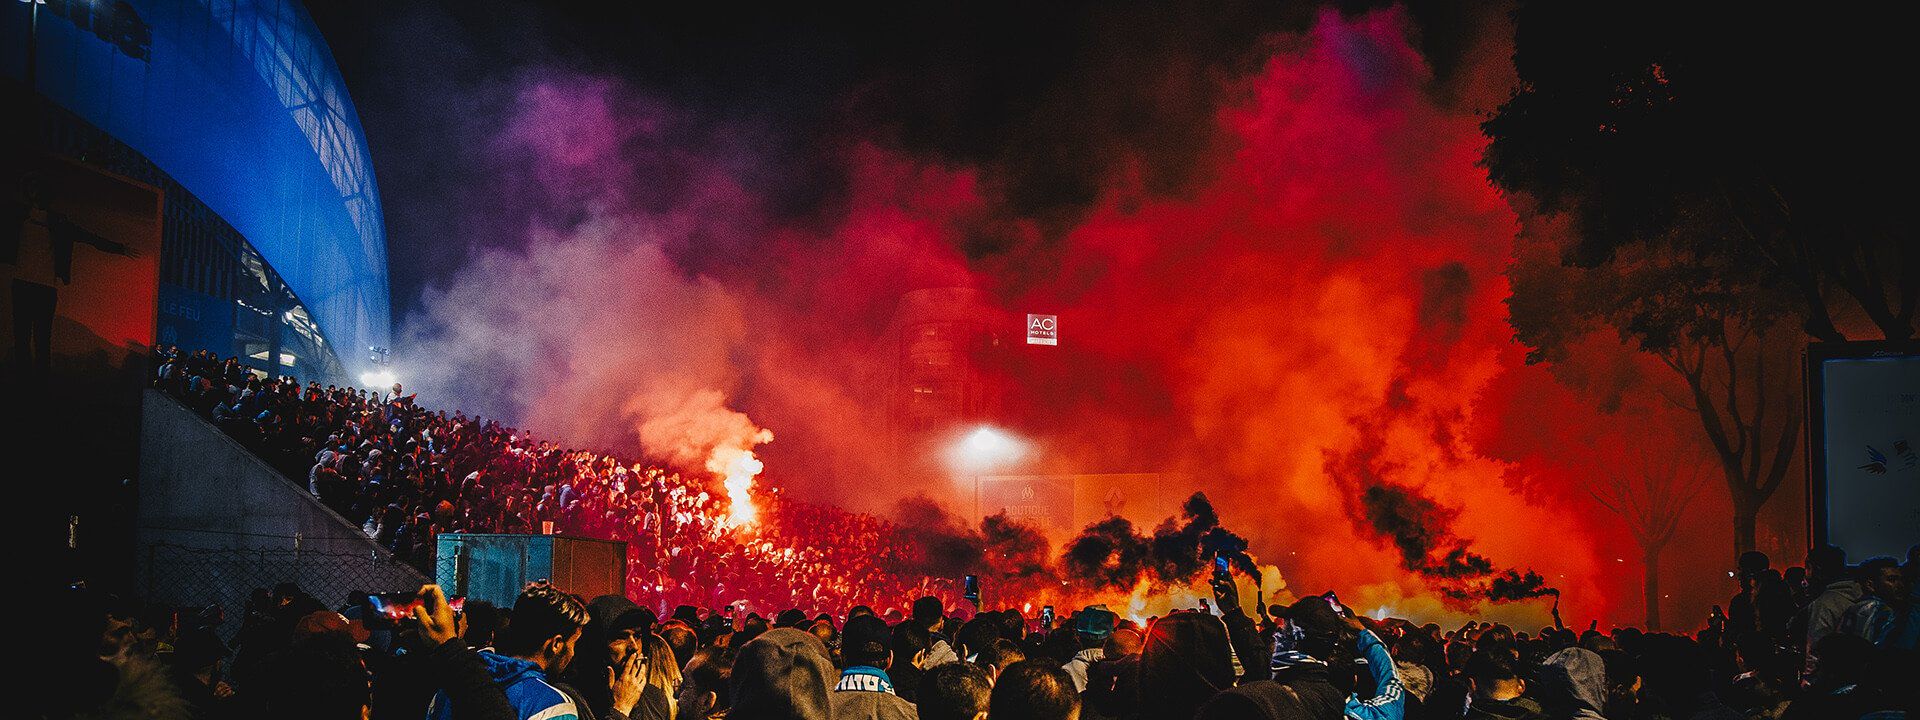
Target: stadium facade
x=273 y=246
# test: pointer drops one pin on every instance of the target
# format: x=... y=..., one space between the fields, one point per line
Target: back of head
x=976 y=635
x=539 y=614
x=1000 y=654
x=1034 y=690
x=928 y=610
x=682 y=639
x=866 y=640
x=954 y=691
x=1184 y=659
x=1123 y=642
x=709 y=680
x=1489 y=669
x=1573 y=679
x=782 y=674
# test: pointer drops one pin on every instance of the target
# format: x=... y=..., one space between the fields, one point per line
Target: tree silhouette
x=1772 y=124
x=1717 y=333
x=1651 y=495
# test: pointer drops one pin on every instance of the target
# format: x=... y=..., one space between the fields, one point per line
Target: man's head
x=954 y=691
x=1495 y=675
x=866 y=640
x=928 y=612
x=1034 y=690
x=1880 y=577
x=544 y=627
x=1123 y=642
x=999 y=655
x=705 y=692
x=790 y=618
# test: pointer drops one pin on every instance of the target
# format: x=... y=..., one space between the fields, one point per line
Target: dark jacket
x=783 y=674
x=1297 y=693
x=1184 y=661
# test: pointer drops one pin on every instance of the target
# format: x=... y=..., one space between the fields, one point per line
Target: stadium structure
x=272 y=245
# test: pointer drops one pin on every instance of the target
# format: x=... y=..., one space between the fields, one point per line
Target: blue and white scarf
x=865 y=678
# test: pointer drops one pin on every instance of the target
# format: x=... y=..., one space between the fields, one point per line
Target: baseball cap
x=866 y=629
x=1095 y=621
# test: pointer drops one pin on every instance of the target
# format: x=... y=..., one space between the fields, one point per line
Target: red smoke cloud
x=1308 y=329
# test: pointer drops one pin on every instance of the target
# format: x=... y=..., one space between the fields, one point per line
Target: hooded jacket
x=532 y=696
x=1301 y=692
x=1823 y=617
x=1573 y=684
x=1184 y=661
x=784 y=674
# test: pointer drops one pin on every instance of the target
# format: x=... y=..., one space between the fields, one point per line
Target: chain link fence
x=191 y=577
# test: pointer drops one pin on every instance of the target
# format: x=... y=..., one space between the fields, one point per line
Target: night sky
x=1278 y=269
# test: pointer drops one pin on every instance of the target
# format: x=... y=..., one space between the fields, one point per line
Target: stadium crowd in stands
x=1823 y=640
x=405 y=474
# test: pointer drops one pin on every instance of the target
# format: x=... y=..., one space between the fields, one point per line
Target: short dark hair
x=1000 y=653
x=713 y=673
x=954 y=691
x=1034 y=690
x=1491 y=665
x=539 y=614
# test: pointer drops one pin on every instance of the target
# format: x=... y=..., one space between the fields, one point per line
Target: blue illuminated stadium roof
x=240 y=102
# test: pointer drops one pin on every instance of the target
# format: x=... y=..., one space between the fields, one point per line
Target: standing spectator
x=865 y=691
x=782 y=675
x=539 y=642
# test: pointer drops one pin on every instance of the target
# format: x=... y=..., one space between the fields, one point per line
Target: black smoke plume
x=1111 y=555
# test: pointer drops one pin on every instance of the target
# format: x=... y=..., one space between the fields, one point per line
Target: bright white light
x=985 y=448
x=378 y=380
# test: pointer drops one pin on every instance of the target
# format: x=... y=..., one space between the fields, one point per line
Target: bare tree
x=1651 y=496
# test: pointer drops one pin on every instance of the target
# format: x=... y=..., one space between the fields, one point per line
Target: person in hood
x=783 y=674
x=1184 y=661
x=1572 y=684
x=865 y=691
x=538 y=644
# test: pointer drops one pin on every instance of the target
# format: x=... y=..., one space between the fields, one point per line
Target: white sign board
x=1043 y=330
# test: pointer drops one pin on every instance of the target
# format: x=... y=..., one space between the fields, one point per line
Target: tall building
x=272 y=244
x=941 y=370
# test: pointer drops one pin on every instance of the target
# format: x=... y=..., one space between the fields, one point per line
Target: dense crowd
x=1845 y=650
x=405 y=474
x=1821 y=640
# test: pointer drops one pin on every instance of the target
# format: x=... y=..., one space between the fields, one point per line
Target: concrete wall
x=216 y=521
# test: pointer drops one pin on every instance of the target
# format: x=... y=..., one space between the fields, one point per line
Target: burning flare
x=737 y=467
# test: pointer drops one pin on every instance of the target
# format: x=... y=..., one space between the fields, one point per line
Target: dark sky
x=1047 y=97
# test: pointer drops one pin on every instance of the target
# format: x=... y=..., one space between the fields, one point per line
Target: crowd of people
x=1821 y=640
x=405 y=474
x=1843 y=651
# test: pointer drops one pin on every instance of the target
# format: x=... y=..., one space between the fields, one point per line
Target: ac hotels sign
x=1043 y=330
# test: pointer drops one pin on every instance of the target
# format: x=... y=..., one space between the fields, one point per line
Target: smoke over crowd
x=1276 y=267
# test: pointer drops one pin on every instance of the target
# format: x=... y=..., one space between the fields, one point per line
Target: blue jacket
x=1389 y=699
x=532 y=697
